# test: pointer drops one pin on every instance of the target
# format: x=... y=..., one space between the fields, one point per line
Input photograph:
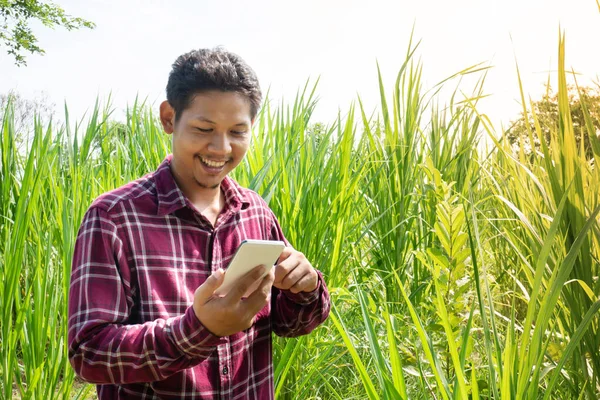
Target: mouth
x=212 y=163
x=210 y=167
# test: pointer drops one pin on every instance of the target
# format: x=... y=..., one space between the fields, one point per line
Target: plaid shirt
x=141 y=252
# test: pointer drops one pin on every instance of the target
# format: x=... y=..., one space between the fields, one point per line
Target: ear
x=167 y=117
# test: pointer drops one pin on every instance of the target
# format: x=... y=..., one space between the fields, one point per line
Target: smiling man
x=144 y=322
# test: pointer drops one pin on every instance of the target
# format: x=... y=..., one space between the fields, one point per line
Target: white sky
x=135 y=42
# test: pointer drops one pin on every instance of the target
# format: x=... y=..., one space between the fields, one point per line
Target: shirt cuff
x=192 y=337
x=305 y=298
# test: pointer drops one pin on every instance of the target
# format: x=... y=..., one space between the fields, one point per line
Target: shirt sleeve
x=104 y=346
x=296 y=314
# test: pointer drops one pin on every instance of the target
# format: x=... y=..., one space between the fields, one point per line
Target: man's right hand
x=224 y=316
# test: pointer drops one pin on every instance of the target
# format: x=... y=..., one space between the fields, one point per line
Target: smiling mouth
x=212 y=163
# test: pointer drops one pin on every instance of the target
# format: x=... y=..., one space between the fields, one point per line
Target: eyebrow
x=214 y=123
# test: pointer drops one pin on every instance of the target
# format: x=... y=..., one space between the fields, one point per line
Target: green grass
x=454 y=273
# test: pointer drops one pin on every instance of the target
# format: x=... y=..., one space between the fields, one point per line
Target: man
x=143 y=320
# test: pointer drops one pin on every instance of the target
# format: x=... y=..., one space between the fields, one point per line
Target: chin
x=208 y=186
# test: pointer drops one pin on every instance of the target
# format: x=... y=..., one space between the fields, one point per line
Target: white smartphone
x=250 y=254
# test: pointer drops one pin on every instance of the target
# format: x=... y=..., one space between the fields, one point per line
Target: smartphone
x=250 y=254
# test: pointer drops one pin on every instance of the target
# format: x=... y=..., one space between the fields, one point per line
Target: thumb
x=207 y=289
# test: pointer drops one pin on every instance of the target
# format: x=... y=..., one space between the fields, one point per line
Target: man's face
x=210 y=138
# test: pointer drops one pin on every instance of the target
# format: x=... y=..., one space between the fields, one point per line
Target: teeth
x=213 y=164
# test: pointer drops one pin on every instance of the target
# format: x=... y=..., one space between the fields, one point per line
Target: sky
x=131 y=50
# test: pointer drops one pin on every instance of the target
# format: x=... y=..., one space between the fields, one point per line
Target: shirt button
x=225 y=371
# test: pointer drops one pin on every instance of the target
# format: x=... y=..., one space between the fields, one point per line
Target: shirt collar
x=171 y=198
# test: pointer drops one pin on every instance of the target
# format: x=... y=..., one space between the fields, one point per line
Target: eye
x=203 y=130
x=239 y=133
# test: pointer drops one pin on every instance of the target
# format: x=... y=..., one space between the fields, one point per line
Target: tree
x=546 y=111
x=24 y=112
x=17 y=36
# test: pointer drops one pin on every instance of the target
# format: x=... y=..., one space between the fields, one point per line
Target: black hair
x=211 y=69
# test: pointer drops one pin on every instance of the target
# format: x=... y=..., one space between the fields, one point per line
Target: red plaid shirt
x=141 y=252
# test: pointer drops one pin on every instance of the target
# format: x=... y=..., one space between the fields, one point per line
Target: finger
x=240 y=288
x=281 y=271
x=287 y=251
x=285 y=267
x=205 y=291
x=257 y=300
x=294 y=276
x=307 y=283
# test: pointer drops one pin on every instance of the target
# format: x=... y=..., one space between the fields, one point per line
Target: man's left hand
x=294 y=272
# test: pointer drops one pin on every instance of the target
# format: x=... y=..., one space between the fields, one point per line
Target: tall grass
x=454 y=273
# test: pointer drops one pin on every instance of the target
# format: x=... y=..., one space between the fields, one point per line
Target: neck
x=200 y=196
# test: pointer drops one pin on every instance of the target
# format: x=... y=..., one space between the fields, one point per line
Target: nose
x=220 y=144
